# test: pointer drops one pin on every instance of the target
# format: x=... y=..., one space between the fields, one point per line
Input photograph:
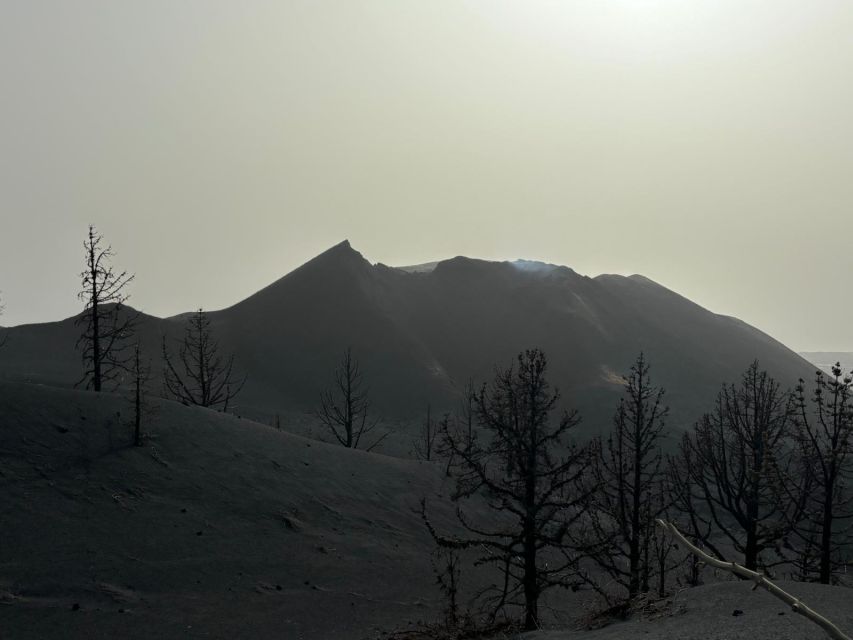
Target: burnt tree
x=425 y=444
x=735 y=472
x=200 y=375
x=462 y=426
x=345 y=408
x=823 y=432
x=107 y=325
x=629 y=478
x=528 y=471
x=141 y=375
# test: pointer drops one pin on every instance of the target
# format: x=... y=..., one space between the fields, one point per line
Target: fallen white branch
x=760 y=581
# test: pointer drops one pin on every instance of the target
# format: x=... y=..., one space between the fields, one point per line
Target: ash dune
x=726 y=611
x=218 y=527
x=224 y=528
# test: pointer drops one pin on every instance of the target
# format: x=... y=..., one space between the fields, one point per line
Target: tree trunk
x=531 y=581
x=826 y=536
x=531 y=588
x=751 y=550
x=96 y=338
x=634 y=556
x=137 y=431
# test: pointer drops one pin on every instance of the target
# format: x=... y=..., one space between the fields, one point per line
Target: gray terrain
x=217 y=528
x=222 y=526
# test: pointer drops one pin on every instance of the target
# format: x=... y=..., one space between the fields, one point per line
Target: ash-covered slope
x=291 y=335
x=731 y=610
x=421 y=333
x=471 y=314
x=47 y=353
x=216 y=528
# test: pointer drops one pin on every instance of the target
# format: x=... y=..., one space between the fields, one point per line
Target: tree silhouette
x=425 y=444
x=462 y=427
x=108 y=326
x=141 y=375
x=200 y=375
x=735 y=472
x=344 y=409
x=824 y=437
x=630 y=493
x=529 y=472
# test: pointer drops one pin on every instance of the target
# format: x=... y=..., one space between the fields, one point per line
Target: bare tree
x=468 y=414
x=824 y=436
x=663 y=558
x=201 y=375
x=108 y=326
x=344 y=409
x=462 y=426
x=141 y=375
x=629 y=479
x=425 y=444
x=446 y=567
x=531 y=474
x=735 y=471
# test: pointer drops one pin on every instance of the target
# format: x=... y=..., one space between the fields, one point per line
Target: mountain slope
x=217 y=527
x=421 y=333
x=727 y=611
x=223 y=528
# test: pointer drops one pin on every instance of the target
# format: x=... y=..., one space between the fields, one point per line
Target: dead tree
x=735 y=471
x=446 y=567
x=468 y=414
x=425 y=444
x=824 y=436
x=629 y=476
x=200 y=375
x=345 y=408
x=662 y=549
x=107 y=326
x=528 y=471
x=462 y=426
x=141 y=375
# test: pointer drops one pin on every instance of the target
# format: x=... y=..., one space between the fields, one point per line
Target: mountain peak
x=343 y=247
x=341 y=253
x=338 y=259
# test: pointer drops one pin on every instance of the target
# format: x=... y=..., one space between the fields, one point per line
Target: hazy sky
x=707 y=144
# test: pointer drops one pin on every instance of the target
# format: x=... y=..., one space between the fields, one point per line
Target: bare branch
x=344 y=409
x=199 y=375
x=105 y=341
x=797 y=605
x=528 y=472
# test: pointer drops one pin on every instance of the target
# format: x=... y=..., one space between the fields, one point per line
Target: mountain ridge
x=420 y=335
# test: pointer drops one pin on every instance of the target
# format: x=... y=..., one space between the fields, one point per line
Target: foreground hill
x=421 y=333
x=727 y=611
x=223 y=528
x=217 y=528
